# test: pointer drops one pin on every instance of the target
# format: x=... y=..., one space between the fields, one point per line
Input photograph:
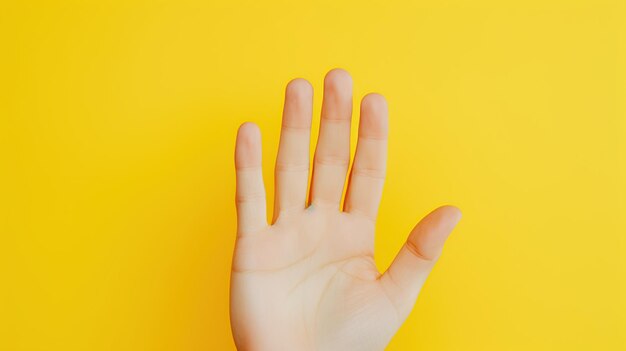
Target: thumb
x=405 y=277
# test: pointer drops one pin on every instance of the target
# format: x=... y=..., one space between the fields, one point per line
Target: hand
x=308 y=281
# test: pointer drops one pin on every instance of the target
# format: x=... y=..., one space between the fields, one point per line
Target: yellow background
x=117 y=184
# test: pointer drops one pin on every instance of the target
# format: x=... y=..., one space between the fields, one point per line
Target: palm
x=309 y=280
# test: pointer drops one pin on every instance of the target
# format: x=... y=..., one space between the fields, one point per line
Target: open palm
x=308 y=281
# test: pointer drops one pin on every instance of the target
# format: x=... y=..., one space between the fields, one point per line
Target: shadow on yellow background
x=117 y=126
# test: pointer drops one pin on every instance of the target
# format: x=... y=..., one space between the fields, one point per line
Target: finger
x=332 y=154
x=292 y=162
x=365 y=187
x=405 y=277
x=250 y=197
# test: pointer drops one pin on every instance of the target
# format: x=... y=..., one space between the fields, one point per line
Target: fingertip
x=248 y=132
x=441 y=221
x=247 y=148
x=298 y=108
x=375 y=102
x=450 y=212
x=299 y=87
x=337 y=78
x=430 y=234
x=374 y=120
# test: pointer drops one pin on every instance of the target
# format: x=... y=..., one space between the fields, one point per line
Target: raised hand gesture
x=308 y=281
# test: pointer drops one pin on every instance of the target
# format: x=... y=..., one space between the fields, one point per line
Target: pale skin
x=308 y=280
